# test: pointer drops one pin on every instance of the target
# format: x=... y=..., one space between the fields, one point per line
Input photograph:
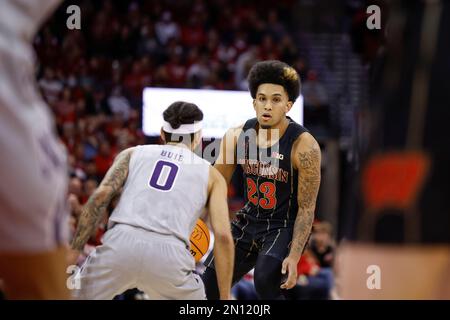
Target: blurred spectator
x=65 y=108
x=199 y=72
x=175 y=69
x=274 y=27
x=193 y=34
x=50 y=86
x=119 y=104
x=302 y=69
x=96 y=102
x=288 y=51
x=243 y=64
x=314 y=91
x=322 y=244
x=76 y=187
x=308 y=266
x=91 y=171
x=135 y=81
x=89 y=187
x=316 y=103
x=166 y=28
x=75 y=209
x=104 y=158
x=148 y=44
x=75 y=197
x=69 y=136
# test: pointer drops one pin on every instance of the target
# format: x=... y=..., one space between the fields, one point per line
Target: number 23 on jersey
x=268 y=190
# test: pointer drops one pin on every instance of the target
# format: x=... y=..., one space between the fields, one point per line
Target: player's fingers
x=290 y=282
x=291 y=279
x=287 y=285
x=283 y=267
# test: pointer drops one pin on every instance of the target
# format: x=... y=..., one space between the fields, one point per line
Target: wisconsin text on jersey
x=266 y=170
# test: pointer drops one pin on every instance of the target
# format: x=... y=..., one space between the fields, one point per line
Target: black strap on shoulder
x=250 y=124
x=295 y=130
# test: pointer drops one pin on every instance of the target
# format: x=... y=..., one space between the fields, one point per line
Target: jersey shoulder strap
x=250 y=124
x=294 y=130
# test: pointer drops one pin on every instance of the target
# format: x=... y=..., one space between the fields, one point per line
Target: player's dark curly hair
x=275 y=72
x=179 y=113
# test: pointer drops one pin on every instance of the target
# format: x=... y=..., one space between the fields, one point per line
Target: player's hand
x=72 y=256
x=290 y=266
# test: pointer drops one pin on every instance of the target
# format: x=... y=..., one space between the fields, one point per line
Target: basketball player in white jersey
x=164 y=190
x=33 y=215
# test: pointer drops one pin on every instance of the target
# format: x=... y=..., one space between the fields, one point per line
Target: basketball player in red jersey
x=281 y=164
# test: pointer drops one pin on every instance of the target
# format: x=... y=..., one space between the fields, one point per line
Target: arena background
x=93 y=81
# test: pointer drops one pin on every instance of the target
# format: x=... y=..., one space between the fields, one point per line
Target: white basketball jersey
x=23 y=17
x=165 y=192
x=33 y=210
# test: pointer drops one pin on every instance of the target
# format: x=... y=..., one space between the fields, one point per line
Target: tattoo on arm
x=95 y=208
x=308 y=188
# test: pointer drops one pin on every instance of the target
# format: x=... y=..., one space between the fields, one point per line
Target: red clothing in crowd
x=103 y=163
x=307 y=264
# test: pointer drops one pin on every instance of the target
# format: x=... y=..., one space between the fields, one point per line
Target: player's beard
x=264 y=126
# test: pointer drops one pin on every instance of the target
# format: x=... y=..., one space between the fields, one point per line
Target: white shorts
x=130 y=257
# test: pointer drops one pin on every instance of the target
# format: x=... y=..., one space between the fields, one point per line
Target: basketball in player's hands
x=199 y=240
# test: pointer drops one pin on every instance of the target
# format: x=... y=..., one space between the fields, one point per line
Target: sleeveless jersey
x=165 y=192
x=269 y=177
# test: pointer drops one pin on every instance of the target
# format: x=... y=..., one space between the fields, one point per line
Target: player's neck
x=178 y=144
x=271 y=135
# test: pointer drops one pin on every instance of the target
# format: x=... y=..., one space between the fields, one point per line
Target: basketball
x=199 y=240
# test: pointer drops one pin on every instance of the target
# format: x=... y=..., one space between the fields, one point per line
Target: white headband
x=184 y=128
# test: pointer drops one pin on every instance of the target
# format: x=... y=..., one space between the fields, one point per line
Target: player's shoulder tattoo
x=119 y=170
x=309 y=158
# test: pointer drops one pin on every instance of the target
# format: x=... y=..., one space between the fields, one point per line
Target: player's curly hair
x=275 y=72
x=181 y=112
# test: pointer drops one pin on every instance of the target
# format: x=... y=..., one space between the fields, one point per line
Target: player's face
x=271 y=105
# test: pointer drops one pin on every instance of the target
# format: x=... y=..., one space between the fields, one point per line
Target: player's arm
x=223 y=240
x=307 y=158
x=95 y=208
x=226 y=161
